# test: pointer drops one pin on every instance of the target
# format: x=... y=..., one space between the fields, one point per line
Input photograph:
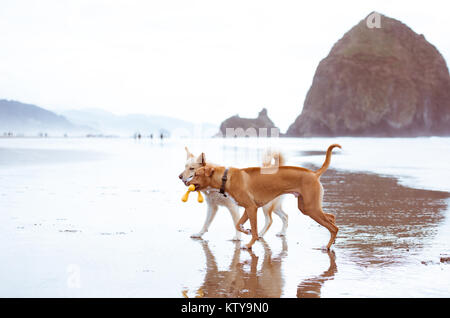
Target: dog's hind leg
x=301 y=204
x=268 y=208
x=311 y=204
x=323 y=220
x=284 y=217
x=210 y=214
x=331 y=217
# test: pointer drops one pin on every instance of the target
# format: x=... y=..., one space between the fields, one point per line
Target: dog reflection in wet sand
x=252 y=188
x=264 y=283
x=243 y=279
x=311 y=287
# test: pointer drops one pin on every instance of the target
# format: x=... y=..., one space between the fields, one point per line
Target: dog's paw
x=197 y=235
x=246 y=231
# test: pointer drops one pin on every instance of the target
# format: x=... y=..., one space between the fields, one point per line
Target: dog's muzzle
x=185 y=181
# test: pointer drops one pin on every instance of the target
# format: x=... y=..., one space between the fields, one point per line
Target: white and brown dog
x=214 y=198
x=254 y=187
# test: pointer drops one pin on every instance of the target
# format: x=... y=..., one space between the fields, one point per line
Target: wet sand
x=376 y=214
x=381 y=223
x=105 y=219
x=20 y=157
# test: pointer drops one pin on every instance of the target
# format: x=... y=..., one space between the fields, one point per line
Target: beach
x=98 y=217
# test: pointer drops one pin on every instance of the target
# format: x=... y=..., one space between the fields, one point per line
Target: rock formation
x=248 y=127
x=386 y=81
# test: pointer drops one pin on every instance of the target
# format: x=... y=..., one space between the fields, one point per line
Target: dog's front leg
x=251 y=214
x=240 y=226
x=234 y=210
x=211 y=213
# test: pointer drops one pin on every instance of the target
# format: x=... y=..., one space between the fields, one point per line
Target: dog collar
x=224 y=181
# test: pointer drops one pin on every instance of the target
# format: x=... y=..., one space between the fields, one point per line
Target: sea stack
x=378 y=80
x=248 y=127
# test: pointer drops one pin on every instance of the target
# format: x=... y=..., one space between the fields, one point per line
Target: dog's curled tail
x=326 y=164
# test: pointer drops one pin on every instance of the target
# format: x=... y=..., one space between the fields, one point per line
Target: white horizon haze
x=201 y=61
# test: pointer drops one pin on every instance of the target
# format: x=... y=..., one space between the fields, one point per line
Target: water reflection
x=244 y=279
x=311 y=287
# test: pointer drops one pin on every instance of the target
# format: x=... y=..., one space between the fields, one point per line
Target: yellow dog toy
x=191 y=189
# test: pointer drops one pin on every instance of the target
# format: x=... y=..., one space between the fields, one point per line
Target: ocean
x=103 y=217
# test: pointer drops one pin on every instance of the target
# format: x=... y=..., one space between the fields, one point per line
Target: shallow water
x=103 y=218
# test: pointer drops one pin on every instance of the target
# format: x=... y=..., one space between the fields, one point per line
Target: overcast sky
x=197 y=60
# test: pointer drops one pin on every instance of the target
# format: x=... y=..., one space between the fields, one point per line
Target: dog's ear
x=209 y=171
x=201 y=159
x=188 y=153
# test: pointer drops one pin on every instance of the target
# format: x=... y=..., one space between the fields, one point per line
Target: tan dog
x=214 y=199
x=253 y=188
